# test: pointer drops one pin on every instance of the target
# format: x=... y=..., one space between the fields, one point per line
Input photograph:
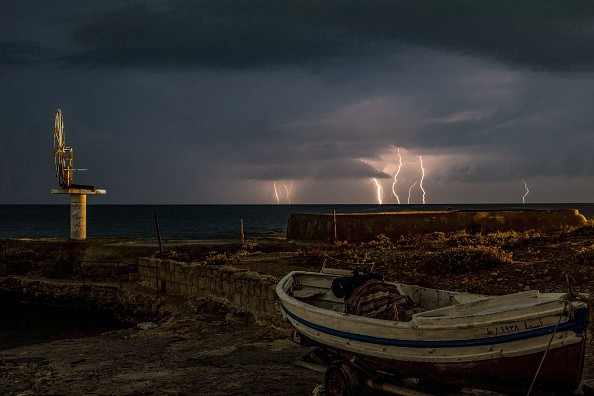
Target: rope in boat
x=567 y=306
x=590 y=302
x=566 y=302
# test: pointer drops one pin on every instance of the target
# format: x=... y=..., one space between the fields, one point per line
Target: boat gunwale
x=457 y=362
x=425 y=320
x=443 y=343
x=365 y=323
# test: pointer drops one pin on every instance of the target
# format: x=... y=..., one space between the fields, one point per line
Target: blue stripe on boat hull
x=577 y=324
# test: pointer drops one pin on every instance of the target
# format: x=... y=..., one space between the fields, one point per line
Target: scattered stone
x=588 y=388
x=146 y=326
x=319 y=390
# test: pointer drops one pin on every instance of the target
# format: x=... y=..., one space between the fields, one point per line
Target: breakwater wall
x=245 y=289
x=367 y=226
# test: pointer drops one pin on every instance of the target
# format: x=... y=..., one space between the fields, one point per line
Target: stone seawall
x=367 y=226
x=104 y=275
x=245 y=289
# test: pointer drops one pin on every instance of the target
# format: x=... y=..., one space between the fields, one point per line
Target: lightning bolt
x=288 y=190
x=396 y=176
x=378 y=187
x=527 y=191
x=409 y=190
x=422 y=177
x=276 y=193
x=380 y=191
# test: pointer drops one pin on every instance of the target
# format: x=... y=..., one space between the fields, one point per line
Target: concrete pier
x=367 y=226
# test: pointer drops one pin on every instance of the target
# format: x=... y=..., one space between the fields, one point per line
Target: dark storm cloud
x=313 y=169
x=213 y=101
x=548 y=35
x=23 y=53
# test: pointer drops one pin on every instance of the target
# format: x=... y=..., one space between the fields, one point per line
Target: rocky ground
x=204 y=348
x=210 y=348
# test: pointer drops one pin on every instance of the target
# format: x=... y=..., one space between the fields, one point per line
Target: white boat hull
x=488 y=337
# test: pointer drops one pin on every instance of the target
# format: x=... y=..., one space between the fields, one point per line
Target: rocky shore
x=191 y=345
x=203 y=347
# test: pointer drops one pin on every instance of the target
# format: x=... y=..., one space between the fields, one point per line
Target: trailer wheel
x=342 y=380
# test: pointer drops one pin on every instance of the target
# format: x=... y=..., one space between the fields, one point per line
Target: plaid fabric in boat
x=380 y=300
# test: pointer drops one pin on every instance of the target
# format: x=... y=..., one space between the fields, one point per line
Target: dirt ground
x=192 y=353
x=209 y=348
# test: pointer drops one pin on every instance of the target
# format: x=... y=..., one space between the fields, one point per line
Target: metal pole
x=158 y=234
x=3 y=259
x=241 y=231
x=393 y=389
x=80 y=271
x=157 y=279
x=119 y=275
x=334 y=224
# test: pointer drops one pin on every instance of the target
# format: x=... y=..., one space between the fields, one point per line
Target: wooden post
x=158 y=234
x=3 y=259
x=334 y=224
x=157 y=278
x=241 y=231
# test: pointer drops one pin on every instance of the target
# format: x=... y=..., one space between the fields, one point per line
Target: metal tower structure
x=63 y=159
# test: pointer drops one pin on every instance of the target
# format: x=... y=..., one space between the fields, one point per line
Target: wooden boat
x=509 y=344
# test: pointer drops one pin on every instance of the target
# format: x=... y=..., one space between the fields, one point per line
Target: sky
x=221 y=102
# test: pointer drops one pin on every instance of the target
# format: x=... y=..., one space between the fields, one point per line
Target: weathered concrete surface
x=78 y=216
x=367 y=226
x=245 y=289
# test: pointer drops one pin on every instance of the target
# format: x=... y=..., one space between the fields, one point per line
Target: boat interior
x=316 y=289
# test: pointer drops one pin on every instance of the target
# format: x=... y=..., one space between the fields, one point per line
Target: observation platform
x=78 y=207
x=79 y=189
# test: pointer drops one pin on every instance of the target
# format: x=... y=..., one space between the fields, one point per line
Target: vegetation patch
x=380 y=241
x=226 y=258
x=585 y=230
x=463 y=260
x=585 y=256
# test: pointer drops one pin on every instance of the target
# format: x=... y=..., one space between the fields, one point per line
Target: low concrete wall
x=244 y=289
x=366 y=226
x=100 y=260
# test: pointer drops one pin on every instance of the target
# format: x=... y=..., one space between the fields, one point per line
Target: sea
x=204 y=221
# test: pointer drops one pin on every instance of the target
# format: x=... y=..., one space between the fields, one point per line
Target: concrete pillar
x=78 y=216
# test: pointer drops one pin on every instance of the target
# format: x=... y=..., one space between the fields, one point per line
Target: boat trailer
x=345 y=375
